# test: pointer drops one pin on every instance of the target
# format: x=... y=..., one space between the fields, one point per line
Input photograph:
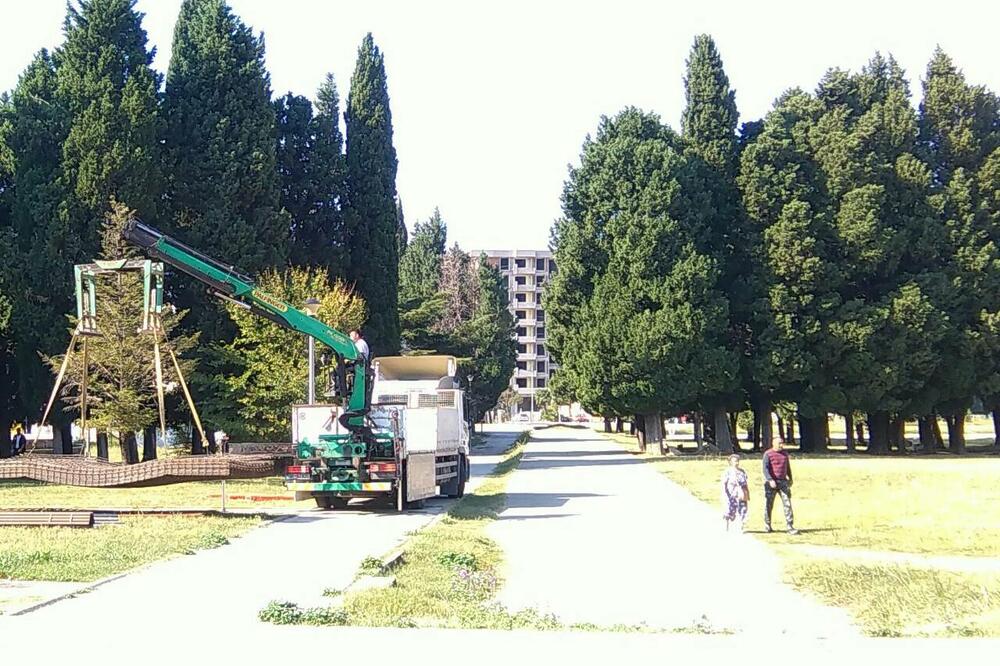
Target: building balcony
x=526 y=356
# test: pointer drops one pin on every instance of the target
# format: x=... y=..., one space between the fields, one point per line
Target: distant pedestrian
x=19 y=443
x=778 y=481
x=360 y=344
x=735 y=493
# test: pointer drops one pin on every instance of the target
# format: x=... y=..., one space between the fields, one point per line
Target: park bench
x=47 y=518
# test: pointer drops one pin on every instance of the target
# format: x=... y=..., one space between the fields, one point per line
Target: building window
x=519 y=263
x=504 y=263
x=540 y=332
x=539 y=316
x=520 y=314
x=541 y=350
x=540 y=282
x=521 y=298
x=552 y=265
x=522 y=349
x=540 y=382
x=506 y=282
x=539 y=264
x=540 y=366
x=520 y=280
x=551 y=372
x=525 y=405
x=522 y=382
x=522 y=331
x=522 y=365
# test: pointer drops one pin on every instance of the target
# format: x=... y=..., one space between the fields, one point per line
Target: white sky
x=490 y=102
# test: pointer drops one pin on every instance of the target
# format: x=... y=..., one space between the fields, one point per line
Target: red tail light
x=382 y=468
x=298 y=469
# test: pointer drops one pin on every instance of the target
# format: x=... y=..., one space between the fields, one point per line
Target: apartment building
x=525 y=273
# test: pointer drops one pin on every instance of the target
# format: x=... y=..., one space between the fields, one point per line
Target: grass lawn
x=75 y=554
x=269 y=492
x=936 y=505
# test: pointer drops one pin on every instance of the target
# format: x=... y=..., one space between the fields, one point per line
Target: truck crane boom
x=227 y=282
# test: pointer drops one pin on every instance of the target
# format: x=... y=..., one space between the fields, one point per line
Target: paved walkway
x=593 y=534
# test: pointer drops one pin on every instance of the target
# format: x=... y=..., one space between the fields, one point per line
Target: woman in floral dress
x=735 y=493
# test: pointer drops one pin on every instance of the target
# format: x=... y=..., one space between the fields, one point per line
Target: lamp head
x=312 y=306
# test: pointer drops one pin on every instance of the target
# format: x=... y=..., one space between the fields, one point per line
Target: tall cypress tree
x=8 y=378
x=310 y=164
x=708 y=127
x=219 y=145
x=371 y=224
x=960 y=139
x=36 y=130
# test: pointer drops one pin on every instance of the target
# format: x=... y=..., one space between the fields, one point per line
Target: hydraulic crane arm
x=229 y=283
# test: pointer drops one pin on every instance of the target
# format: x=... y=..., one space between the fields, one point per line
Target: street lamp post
x=472 y=423
x=312 y=307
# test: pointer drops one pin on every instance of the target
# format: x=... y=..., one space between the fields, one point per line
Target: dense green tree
x=960 y=139
x=370 y=218
x=420 y=267
x=311 y=167
x=223 y=188
x=402 y=235
x=708 y=127
x=8 y=376
x=271 y=368
x=489 y=336
x=36 y=127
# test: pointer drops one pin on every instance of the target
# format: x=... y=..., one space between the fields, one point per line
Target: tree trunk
x=936 y=427
x=956 y=432
x=213 y=446
x=757 y=423
x=878 y=431
x=619 y=426
x=696 y=424
x=723 y=438
x=815 y=433
x=849 y=432
x=639 y=430
x=102 y=445
x=762 y=414
x=790 y=439
x=197 y=446
x=5 y=441
x=859 y=427
x=653 y=431
x=734 y=430
x=607 y=424
x=996 y=428
x=149 y=443
x=807 y=439
x=925 y=430
x=897 y=433
x=130 y=449
x=781 y=432
x=64 y=435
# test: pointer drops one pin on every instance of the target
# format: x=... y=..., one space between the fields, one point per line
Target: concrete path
x=293 y=559
x=593 y=534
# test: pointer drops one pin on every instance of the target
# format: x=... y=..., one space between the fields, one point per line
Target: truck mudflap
x=340 y=487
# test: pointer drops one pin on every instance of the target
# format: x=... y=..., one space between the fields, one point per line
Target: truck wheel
x=457 y=486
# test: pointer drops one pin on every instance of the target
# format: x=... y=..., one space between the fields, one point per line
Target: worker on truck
x=360 y=344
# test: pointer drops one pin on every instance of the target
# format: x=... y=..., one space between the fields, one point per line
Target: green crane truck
x=361 y=458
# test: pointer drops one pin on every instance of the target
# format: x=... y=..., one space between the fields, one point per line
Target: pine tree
x=420 y=266
x=8 y=377
x=219 y=146
x=310 y=165
x=402 y=235
x=121 y=376
x=371 y=223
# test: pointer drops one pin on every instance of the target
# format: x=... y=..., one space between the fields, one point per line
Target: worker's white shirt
x=362 y=348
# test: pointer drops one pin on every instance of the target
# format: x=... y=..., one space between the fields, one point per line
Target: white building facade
x=525 y=273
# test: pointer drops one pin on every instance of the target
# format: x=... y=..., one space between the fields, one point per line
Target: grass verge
x=896 y=600
x=73 y=554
